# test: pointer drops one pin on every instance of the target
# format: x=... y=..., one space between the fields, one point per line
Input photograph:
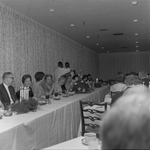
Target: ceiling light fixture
x=107 y=51
x=135 y=20
x=134 y=2
x=136 y=42
x=136 y=34
x=51 y=10
x=72 y=25
x=97 y=44
x=87 y=36
x=102 y=47
x=137 y=50
x=137 y=46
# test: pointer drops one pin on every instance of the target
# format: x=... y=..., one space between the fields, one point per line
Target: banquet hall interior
x=97 y=37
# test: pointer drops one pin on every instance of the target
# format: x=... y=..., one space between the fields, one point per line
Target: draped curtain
x=111 y=63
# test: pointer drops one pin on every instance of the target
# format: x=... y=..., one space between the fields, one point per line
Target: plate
x=56 y=98
x=83 y=142
x=65 y=95
x=7 y=113
x=42 y=103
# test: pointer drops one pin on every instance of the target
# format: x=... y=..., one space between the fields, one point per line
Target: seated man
x=126 y=125
x=7 y=91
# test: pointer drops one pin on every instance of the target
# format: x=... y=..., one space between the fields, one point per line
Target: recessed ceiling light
x=134 y=2
x=136 y=42
x=102 y=47
x=137 y=46
x=87 y=36
x=107 y=52
x=137 y=50
x=72 y=25
x=135 y=20
x=51 y=10
x=97 y=44
x=136 y=34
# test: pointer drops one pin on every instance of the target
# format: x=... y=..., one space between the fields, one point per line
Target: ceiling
x=98 y=19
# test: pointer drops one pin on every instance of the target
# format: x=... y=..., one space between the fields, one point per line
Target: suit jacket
x=4 y=97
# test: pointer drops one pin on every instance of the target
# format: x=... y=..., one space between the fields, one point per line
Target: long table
x=49 y=125
x=73 y=144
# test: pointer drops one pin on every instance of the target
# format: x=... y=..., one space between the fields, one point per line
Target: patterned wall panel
x=27 y=46
x=111 y=63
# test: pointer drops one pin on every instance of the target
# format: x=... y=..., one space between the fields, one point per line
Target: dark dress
x=30 y=93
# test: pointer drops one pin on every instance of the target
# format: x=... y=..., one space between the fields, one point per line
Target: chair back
x=91 y=115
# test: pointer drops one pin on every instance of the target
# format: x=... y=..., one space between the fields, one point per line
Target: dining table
x=73 y=144
x=51 y=124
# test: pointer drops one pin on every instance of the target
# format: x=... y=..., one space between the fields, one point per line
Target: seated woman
x=37 y=88
x=68 y=83
x=56 y=88
x=47 y=83
x=27 y=81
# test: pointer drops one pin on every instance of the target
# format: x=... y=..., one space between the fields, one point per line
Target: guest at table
x=47 y=84
x=7 y=91
x=144 y=77
x=37 y=88
x=56 y=88
x=126 y=125
x=90 y=79
x=60 y=71
x=26 y=81
x=68 y=83
x=130 y=81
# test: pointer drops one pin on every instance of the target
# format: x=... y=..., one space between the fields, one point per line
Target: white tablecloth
x=49 y=125
x=73 y=144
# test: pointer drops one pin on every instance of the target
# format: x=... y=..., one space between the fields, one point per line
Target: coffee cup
x=91 y=136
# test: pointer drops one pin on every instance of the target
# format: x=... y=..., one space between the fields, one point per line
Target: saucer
x=84 y=142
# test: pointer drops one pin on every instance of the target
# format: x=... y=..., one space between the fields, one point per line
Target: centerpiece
x=24 y=106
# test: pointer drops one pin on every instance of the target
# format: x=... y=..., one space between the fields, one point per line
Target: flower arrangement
x=24 y=106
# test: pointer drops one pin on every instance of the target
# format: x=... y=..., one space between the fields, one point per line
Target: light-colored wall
x=26 y=46
x=111 y=63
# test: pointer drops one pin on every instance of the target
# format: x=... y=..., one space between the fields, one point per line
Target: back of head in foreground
x=127 y=124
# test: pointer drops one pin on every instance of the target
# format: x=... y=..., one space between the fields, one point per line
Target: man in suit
x=7 y=91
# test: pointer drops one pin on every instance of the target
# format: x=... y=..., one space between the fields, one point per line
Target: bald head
x=126 y=125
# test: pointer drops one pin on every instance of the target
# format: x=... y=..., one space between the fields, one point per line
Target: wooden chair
x=91 y=114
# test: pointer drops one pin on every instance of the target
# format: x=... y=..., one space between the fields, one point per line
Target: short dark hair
x=75 y=76
x=39 y=76
x=6 y=74
x=84 y=77
x=26 y=76
x=67 y=65
x=60 y=64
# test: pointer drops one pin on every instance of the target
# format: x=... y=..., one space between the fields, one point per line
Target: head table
x=49 y=125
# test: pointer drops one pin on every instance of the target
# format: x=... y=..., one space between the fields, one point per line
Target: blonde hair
x=126 y=125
